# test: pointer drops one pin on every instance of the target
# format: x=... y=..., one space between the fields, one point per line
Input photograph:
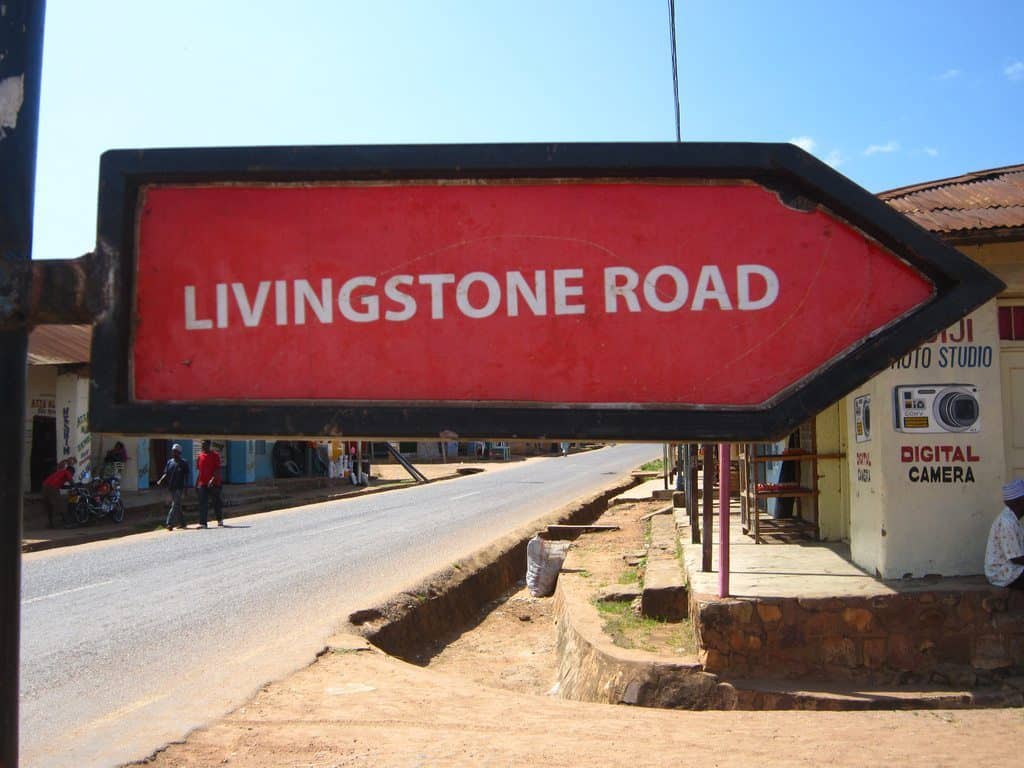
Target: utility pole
x=21 y=53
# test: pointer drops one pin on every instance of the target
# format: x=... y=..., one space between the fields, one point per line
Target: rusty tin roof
x=59 y=344
x=989 y=203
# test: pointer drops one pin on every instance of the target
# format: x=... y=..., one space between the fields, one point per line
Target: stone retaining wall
x=946 y=637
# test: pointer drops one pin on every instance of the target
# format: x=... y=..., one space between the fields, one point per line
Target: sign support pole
x=21 y=51
x=723 y=518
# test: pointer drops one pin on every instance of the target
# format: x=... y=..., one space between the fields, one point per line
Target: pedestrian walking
x=175 y=473
x=56 y=507
x=208 y=484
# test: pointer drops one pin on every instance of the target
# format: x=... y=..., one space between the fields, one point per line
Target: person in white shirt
x=1004 y=555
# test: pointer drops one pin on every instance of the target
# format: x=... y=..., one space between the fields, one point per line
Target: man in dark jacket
x=176 y=475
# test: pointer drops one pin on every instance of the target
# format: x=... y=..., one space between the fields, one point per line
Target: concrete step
x=664 y=593
x=619 y=593
x=788 y=694
x=571 y=532
x=642 y=492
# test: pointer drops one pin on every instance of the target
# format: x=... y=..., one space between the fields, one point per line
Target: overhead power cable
x=675 y=67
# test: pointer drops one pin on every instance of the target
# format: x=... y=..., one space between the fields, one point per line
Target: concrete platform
x=796 y=569
x=804 y=610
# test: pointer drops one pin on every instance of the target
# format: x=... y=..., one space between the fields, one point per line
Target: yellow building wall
x=1004 y=260
x=833 y=498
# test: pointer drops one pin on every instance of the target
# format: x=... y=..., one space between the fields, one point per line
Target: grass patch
x=628 y=630
x=629 y=576
x=653 y=466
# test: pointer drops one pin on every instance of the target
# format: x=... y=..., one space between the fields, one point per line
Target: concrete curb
x=591 y=668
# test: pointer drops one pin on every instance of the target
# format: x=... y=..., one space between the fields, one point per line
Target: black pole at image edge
x=21 y=50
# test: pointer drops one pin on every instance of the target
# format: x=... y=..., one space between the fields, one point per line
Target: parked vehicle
x=95 y=499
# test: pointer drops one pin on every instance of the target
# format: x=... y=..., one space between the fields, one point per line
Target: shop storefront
x=927 y=444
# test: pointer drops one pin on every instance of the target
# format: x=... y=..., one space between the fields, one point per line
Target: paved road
x=132 y=643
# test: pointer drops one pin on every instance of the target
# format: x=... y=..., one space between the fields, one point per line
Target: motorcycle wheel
x=117 y=513
x=82 y=512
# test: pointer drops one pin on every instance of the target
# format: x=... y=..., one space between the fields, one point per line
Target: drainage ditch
x=416 y=624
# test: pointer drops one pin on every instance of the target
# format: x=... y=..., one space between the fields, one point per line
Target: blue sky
x=890 y=93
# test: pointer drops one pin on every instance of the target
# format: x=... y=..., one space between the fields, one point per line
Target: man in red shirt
x=208 y=484
x=55 y=506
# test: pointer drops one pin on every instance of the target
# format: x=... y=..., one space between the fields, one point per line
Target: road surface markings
x=464 y=496
x=68 y=591
x=320 y=531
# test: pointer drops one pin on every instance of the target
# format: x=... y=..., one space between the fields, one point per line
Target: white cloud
x=834 y=158
x=806 y=143
x=877 y=149
x=1014 y=71
x=931 y=151
x=949 y=74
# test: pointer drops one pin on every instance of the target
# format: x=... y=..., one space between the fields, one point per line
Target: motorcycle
x=95 y=499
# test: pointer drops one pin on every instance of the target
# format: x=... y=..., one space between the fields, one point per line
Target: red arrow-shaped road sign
x=584 y=291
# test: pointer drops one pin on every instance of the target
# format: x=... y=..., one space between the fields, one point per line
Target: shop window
x=1011 y=323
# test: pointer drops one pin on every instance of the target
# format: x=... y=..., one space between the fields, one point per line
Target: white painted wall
x=73 y=437
x=900 y=524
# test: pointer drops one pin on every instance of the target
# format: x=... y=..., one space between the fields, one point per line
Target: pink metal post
x=723 y=519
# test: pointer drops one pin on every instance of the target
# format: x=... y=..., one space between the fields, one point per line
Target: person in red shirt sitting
x=208 y=484
x=55 y=506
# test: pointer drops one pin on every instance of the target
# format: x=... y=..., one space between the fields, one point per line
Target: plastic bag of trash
x=543 y=562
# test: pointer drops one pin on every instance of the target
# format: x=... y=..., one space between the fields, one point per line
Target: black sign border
x=798 y=177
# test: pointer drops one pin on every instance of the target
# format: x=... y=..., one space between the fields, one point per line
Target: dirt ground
x=485 y=700
x=356 y=708
x=513 y=648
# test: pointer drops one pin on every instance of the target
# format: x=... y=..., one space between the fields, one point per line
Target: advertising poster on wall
x=944 y=401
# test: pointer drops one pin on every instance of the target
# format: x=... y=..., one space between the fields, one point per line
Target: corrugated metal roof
x=984 y=200
x=59 y=344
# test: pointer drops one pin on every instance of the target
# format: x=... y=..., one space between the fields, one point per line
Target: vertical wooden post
x=708 y=491
x=691 y=493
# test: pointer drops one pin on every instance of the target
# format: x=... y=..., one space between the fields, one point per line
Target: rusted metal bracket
x=52 y=291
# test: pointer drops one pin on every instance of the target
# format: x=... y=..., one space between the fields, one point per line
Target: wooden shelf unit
x=753 y=501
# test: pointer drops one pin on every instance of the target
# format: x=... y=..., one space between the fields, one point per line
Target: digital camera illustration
x=936 y=408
